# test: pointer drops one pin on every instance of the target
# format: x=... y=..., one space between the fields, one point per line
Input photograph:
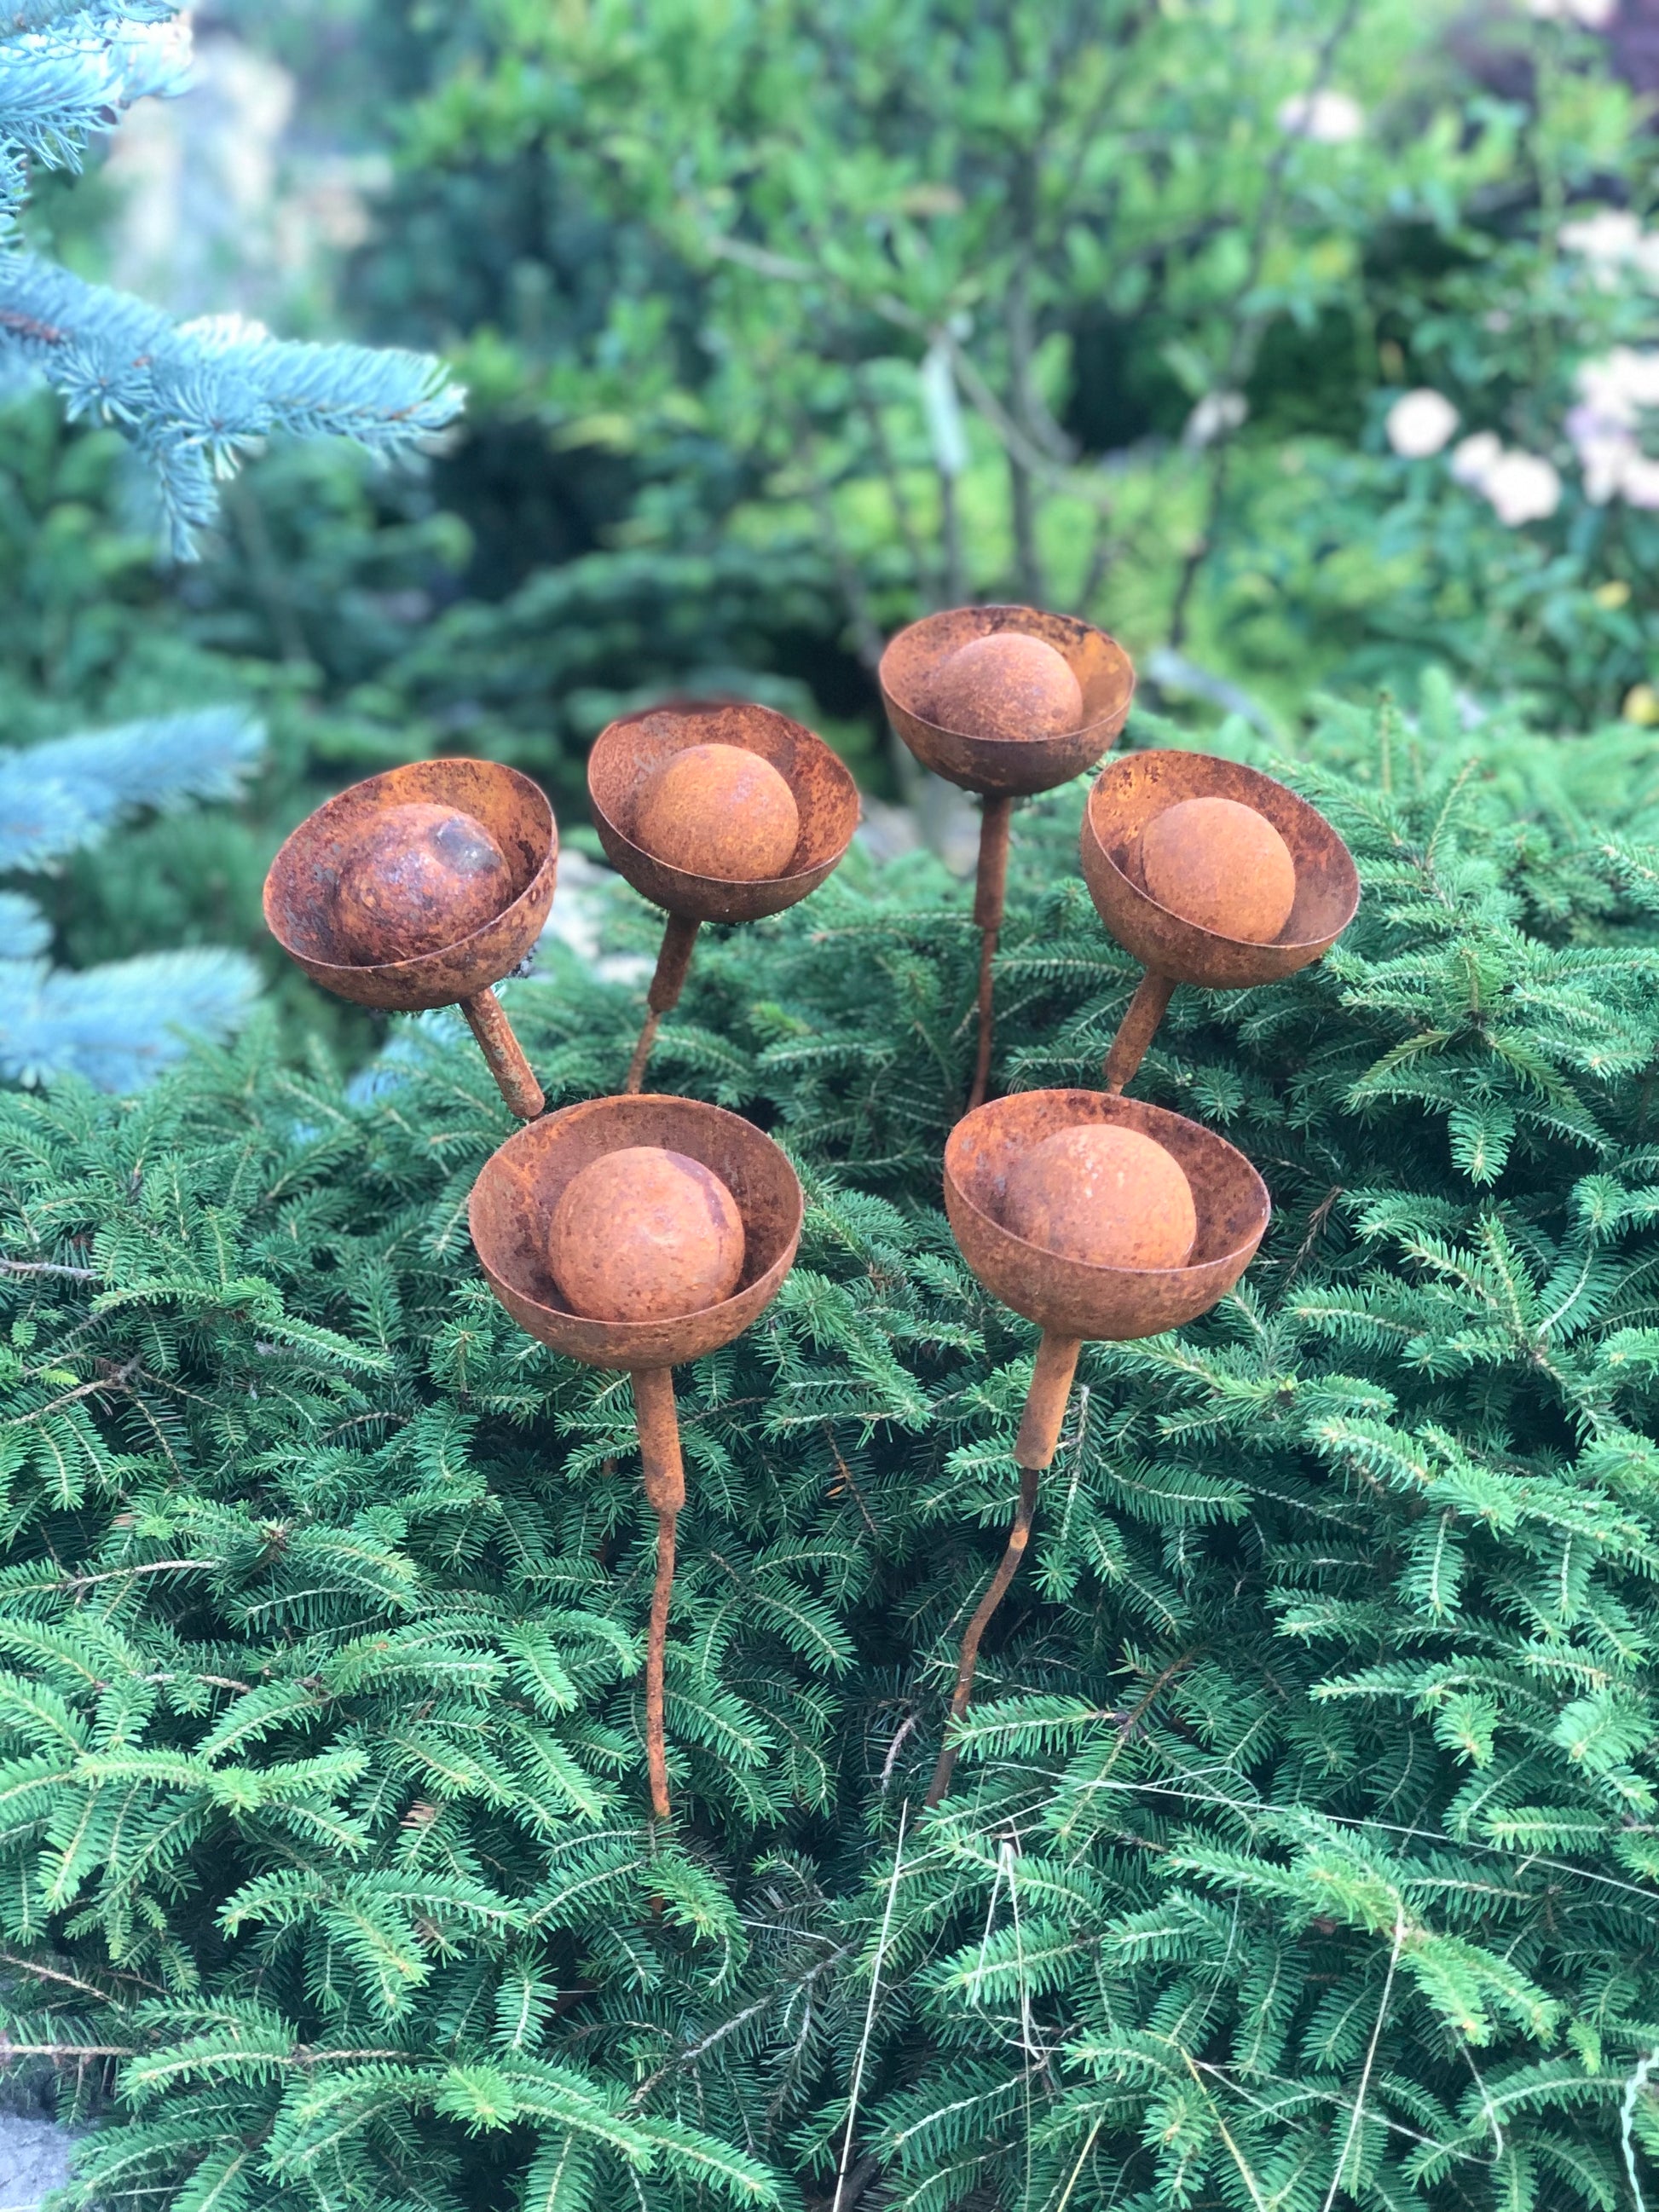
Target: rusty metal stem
x=1045 y=1401
x=504 y=1055
x=1138 y=1028
x=656 y=1748
x=990 y=891
x=1018 y=1536
x=665 y=1489
x=1039 y=1434
x=673 y=961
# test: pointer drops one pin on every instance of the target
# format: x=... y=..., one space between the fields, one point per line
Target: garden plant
x=1299 y=1847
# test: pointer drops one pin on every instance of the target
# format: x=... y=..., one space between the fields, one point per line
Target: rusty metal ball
x=719 y=810
x=1006 y=684
x=644 y=1234
x=1222 y=866
x=1103 y=1195
x=415 y=878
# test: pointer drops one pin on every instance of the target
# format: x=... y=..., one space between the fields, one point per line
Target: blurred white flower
x=1329 y=119
x=1419 y=423
x=1605 y=450
x=1612 y=240
x=1609 y=234
x=1617 y=389
x=1638 y=484
x=1473 y=459
x=1217 y=411
x=1522 y=487
x=1594 y=15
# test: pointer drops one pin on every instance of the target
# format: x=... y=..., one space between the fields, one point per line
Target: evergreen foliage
x=1302 y=1849
x=195 y=397
x=116 y=1024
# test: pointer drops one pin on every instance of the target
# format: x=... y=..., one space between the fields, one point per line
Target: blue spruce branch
x=193 y=398
x=116 y=1025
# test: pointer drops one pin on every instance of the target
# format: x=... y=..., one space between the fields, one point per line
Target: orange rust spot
x=416 y=878
x=643 y=1234
x=1222 y=866
x=1103 y=1195
x=719 y=810
x=1008 y=684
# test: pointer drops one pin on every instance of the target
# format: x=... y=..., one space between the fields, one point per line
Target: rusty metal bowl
x=1073 y=1298
x=629 y=752
x=1126 y=796
x=1007 y=767
x=299 y=896
x=511 y=1211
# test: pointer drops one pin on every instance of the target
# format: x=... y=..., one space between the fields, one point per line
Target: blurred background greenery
x=1303 y=344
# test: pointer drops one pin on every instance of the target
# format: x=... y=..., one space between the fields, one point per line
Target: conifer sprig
x=1302 y=1849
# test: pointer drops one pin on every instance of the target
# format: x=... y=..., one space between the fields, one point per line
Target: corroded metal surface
x=503 y=1054
x=628 y=754
x=1007 y=767
x=512 y=1201
x=1127 y=795
x=642 y=1234
x=1071 y=1297
x=300 y=889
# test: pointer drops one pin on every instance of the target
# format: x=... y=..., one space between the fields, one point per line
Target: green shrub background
x=1301 y=1848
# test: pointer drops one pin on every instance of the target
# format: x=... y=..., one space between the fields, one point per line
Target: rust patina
x=623 y=770
x=1072 y=1300
x=1006 y=684
x=1000 y=768
x=512 y=1211
x=646 y=1235
x=1128 y=795
x=721 y=810
x=302 y=902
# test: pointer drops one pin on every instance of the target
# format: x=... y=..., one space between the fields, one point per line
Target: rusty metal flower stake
x=1209 y=873
x=716 y=813
x=1004 y=702
x=1038 y=1188
x=640 y=1233
x=421 y=888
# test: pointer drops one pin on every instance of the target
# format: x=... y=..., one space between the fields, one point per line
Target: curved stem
x=1018 y=1537
x=504 y=1055
x=656 y=1748
x=990 y=891
x=665 y=1489
x=673 y=961
x=1039 y=1434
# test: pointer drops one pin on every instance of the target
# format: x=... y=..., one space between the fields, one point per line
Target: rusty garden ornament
x=1003 y=768
x=302 y=911
x=1128 y=795
x=1073 y=1301
x=626 y=758
x=511 y=1214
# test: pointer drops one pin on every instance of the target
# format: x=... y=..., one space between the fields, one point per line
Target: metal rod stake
x=504 y=1055
x=1039 y=1434
x=673 y=961
x=990 y=891
x=1138 y=1028
x=664 y=1491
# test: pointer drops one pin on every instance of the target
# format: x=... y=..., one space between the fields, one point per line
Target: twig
x=47 y=1267
x=869 y=2017
x=1633 y=2089
x=1358 y=2113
